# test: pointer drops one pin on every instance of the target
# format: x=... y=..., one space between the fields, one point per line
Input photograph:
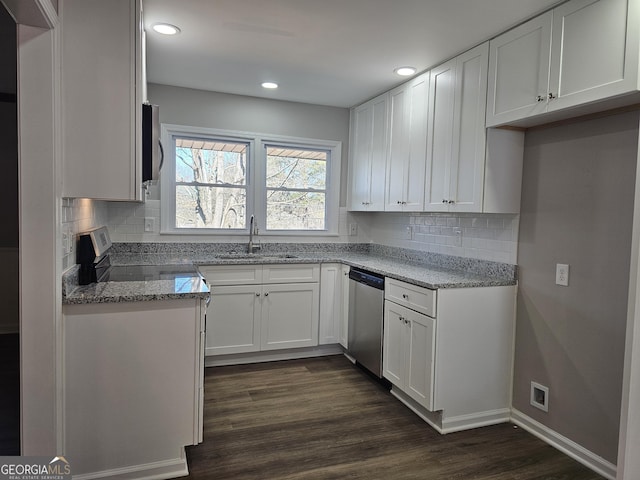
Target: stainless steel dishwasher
x=366 y=306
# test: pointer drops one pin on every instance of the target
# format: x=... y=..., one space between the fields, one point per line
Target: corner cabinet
x=368 y=155
x=581 y=52
x=262 y=307
x=407 y=146
x=101 y=98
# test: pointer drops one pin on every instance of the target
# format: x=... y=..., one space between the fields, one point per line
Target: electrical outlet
x=149 y=224
x=562 y=274
x=458 y=234
x=353 y=229
x=409 y=232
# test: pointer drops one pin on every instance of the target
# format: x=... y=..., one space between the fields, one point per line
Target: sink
x=253 y=256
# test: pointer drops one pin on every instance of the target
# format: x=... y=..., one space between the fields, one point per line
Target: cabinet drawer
x=232 y=274
x=291 y=273
x=420 y=299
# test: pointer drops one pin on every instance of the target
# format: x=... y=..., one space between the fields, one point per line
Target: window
x=296 y=184
x=210 y=183
x=214 y=180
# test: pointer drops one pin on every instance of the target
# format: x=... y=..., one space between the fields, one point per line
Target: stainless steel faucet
x=252 y=231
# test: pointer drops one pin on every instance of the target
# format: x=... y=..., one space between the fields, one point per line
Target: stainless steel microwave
x=152 y=152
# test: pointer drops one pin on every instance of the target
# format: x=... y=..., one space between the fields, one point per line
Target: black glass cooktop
x=141 y=273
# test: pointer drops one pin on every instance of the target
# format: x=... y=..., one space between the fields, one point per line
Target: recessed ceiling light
x=405 y=71
x=166 y=29
x=269 y=85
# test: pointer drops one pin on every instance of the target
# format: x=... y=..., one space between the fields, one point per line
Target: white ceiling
x=326 y=52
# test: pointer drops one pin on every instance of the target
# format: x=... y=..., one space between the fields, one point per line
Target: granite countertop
x=171 y=284
x=427 y=270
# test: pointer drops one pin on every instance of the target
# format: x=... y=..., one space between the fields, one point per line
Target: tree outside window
x=296 y=182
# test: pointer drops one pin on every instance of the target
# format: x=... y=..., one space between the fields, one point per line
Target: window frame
x=255 y=181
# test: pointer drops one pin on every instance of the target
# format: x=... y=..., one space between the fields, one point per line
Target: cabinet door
x=344 y=327
x=519 y=72
x=590 y=58
x=469 y=137
x=233 y=320
x=416 y=162
x=360 y=157
x=420 y=374
x=378 y=154
x=368 y=155
x=399 y=107
x=440 y=136
x=394 y=344
x=101 y=45
x=330 y=303
x=289 y=316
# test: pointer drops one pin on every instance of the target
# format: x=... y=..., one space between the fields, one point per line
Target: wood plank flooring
x=324 y=418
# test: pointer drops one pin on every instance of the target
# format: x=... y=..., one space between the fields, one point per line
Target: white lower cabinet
x=409 y=352
x=451 y=363
x=344 y=327
x=240 y=305
x=262 y=307
x=331 y=303
x=289 y=316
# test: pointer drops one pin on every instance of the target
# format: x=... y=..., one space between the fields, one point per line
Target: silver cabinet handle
x=539 y=98
x=257 y=294
x=266 y=294
x=551 y=96
x=452 y=201
x=405 y=296
x=444 y=201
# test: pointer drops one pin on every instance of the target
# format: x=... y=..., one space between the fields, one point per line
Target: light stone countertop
x=184 y=286
x=426 y=270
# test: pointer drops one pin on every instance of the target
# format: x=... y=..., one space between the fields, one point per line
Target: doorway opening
x=9 y=242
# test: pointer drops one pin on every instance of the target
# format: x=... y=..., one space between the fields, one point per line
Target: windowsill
x=323 y=234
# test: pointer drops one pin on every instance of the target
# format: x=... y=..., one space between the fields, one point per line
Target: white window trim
x=256 y=185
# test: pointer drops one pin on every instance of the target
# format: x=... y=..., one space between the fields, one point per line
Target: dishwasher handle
x=368 y=278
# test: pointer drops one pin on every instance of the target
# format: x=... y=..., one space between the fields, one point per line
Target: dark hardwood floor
x=9 y=395
x=324 y=418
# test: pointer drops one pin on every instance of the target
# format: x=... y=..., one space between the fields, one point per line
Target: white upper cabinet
x=407 y=145
x=519 y=71
x=456 y=134
x=101 y=98
x=589 y=56
x=368 y=155
x=581 y=52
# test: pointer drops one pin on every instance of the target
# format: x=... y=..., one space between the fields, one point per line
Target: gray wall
x=199 y=108
x=577 y=205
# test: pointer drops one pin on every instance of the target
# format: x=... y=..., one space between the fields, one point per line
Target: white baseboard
x=565 y=445
x=444 y=425
x=272 y=355
x=173 y=468
x=475 y=420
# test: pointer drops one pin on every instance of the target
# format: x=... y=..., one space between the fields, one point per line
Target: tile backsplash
x=79 y=215
x=479 y=236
